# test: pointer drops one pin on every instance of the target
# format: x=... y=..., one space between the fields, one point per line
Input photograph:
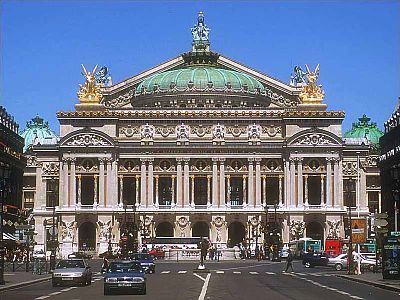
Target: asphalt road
x=227 y=280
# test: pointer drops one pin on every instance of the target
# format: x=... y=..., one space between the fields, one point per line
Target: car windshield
x=120 y=267
x=141 y=256
x=70 y=264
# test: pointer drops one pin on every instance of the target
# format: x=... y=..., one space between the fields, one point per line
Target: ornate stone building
x=200 y=145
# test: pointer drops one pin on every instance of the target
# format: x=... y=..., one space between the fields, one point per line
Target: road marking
x=246 y=267
x=55 y=293
x=198 y=276
x=343 y=292
x=43 y=297
x=301 y=274
x=204 y=289
x=253 y=273
x=270 y=273
x=182 y=272
x=237 y=272
x=97 y=279
x=165 y=272
x=356 y=297
x=219 y=272
x=68 y=289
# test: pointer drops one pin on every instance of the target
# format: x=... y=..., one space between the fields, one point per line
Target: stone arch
x=87 y=137
x=201 y=229
x=315 y=231
x=236 y=233
x=87 y=236
x=165 y=229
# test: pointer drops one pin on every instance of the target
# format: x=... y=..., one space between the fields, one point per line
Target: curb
x=376 y=284
x=25 y=283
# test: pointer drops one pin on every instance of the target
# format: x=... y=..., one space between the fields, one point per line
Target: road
x=227 y=280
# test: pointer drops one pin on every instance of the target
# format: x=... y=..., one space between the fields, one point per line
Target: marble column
x=143 y=183
x=108 y=199
x=280 y=191
x=157 y=200
x=95 y=194
x=323 y=190
x=258 y=182
x=286 y=174
x=173 y=199
x=65 y=183
x=179 y=190
x=61 y=184
x=73 y=182
x=244 y=190
x=363 y=190
x=137 y=190
x=306 y=190
x=250 y=190
x=215 y=182
x=209 y=190
x=328 y=182
x=292 y=182
x=101 y=182
x=228 y=190
x=335 y=183
x=79 y=191
x=150 y=184
x=221 y=182
x=264 y=189
x=114 y=180
x=186 y=183
x=192 y=192
x=300 y=182
x=121 y=200
x=341 y=203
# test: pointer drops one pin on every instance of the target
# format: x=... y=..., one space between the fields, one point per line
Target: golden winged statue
x=89 y=92
x=312 y=93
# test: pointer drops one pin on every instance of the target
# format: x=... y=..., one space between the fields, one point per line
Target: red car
x=157 y=253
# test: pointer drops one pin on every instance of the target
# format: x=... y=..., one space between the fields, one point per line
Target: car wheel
x=307 y=265
x=338 y=267
x=144 y=291
x=106 y=291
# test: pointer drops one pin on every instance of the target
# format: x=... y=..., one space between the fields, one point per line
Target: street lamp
x=276 y=237
x=53 y=195
x=266 y=232
x=3 y=191
x=350 y=193
x=395 y=191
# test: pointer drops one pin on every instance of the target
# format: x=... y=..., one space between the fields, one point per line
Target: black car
x=312 y=259
x=145 y=260
x=124 y=276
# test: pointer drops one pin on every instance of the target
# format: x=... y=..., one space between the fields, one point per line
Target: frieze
x=372 y=160
x=87 y=139
x=349 y=168
x=120 y=101
x=314 y=139
x=147 y=132
x=50 y=169
x=129 y=131
x=182 y=132
x=236 y=130
x=201 y=130
x=31 y=161
x=272 y=130
x=165 y=130
x=218 y=134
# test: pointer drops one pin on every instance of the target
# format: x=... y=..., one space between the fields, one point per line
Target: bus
x=304 y=245
x=391 y=257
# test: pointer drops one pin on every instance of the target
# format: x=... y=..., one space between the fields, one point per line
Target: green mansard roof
x=365 y=129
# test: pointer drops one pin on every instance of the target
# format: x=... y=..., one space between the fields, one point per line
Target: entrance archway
x=164 y=229
x=200 y=229
x=87 y=236
x=236 y=233
x=315 y=231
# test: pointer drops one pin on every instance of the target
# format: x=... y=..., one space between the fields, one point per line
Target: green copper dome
x=365 y=129
x=38 y=132
x=200 y=78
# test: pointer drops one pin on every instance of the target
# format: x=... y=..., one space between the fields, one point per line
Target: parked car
x=39 y=254
x=109 y=255
x=124 y=276
x=340 y=262
x=145 y=260
x=72 y=271
x=80 y=254
x=312 y=259
x=157 y=253
x=284 y=252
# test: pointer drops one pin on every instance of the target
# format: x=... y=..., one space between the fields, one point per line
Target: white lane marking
x=182 y=272
x=219 y=272
x=356 y=297
x=204 y=289
x=246 y=267
x=253 y=273
x=68 y=289
x=237 y=272
x=165 y=272
x=43 y=297
x=343 y=292
x=198 y=276
x=270 y=273
x=301 y=274
x=55 y=293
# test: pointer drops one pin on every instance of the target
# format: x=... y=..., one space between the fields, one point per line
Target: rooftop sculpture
x=200 y=33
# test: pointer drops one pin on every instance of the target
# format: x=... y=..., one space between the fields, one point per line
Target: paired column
x=101 y=182
x=179 y=197
x=280 y=191
x=143 y=183
x=64 y=186
x=186 y=183
x=150 y=184
x=286 y=174
x=192 y=194
x=208 y=190
x=300 y=182
x=137 y=190
x=215 y=182
x=121 y=200
x=250 y=197
x=258 y=182
x=264 y=189
x=157 y=200
x=73 y=182
x=96 y=198
x=108 y=199
x=323 y=190
x=341 y=203
x=79 y=190
x=335 y=182
x=245 y=190
x=221 y=182
x=173 y=200
x=306 y=190
x=292 y=182
x=228 y=190
x=328 y=182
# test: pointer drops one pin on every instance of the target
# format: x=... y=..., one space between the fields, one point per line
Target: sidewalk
x=20 y=278
x=374 y=279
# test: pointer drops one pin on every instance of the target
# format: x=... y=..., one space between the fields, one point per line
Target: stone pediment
x=86 y=138
x=314 y=137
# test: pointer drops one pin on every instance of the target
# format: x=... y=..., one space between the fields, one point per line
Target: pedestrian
x=104 y=267
x=289 y=262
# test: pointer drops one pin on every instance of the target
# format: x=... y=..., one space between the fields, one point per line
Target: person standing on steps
x=289 y=261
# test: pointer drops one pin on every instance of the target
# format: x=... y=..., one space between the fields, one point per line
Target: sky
x=44 y=43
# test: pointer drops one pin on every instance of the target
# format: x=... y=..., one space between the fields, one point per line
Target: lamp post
x=249 y=238
x=276 y=237
x=396 y=192
x=53 y=195
x=350 y=191
x=266 y=232
x=2 y=200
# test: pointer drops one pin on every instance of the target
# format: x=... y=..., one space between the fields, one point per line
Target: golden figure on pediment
x=312 y=93
x=89 y=92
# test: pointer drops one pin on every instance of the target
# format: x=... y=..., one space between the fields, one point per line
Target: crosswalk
x=227 y=272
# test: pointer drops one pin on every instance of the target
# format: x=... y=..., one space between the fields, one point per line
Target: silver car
x=72 y=271
x=340 y=261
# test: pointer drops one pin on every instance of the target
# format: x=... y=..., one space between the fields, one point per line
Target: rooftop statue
x=103 y=77
x=89 y=92
x=298 y=77
x=312 y=93
x=200 y=32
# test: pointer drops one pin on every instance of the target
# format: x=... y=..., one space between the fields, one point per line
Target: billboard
x=359 y=230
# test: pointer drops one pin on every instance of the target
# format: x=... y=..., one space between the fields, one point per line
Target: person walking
x=289 y=262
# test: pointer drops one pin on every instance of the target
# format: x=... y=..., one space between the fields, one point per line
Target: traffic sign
x=381 y=230
x=380 y=222
x=24 y=227
x=381 y=216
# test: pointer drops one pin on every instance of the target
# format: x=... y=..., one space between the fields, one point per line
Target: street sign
x=381 y=230
x=24 y=227
x=395 y=233
x=381 y=216
x=381 y=222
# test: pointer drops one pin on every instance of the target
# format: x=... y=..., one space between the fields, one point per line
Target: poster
x=358 y=230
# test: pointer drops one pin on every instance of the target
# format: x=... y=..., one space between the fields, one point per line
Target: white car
x=39 y=254
x=340 y=261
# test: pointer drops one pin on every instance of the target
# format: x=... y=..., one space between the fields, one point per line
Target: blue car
x=124 y=276
x=146 y=261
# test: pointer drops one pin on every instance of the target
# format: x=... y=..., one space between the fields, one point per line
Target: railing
x=36 y=266
x=164 y=206
x=313 y=206
x=200 y=206
x=194 y=254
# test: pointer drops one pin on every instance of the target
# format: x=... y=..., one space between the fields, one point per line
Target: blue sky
x=43 y=43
